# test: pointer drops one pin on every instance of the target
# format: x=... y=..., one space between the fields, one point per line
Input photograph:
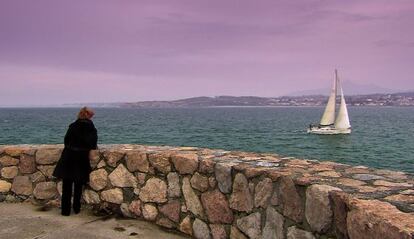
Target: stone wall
x=220 y=194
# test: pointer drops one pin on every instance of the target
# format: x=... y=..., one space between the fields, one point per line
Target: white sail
x=342 y=120
x=328 y=117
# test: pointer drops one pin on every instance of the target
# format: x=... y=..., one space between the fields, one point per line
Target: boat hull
x=328 y=130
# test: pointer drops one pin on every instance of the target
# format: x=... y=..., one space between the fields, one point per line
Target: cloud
x=205 y=47
x=393 y=43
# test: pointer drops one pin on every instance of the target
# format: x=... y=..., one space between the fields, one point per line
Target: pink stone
x=8 y=161
x=171 y=210
x=375 y=219
x=27 y=164
x=218 y=231
x=199 y=182
x=185 y=163
x=263 y=193
x=206 y=165
x=161 y=162
x=217 y=207
x=135 y=208
x=137 y=161
x=290 y=200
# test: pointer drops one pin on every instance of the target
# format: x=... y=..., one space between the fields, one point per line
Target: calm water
x=382 y=137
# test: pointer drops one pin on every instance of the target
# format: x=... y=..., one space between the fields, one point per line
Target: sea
x=382 y=137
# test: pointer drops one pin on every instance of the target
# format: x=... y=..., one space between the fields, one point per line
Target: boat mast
x=336 y=84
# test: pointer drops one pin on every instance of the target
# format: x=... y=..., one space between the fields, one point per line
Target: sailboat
x=328 y=123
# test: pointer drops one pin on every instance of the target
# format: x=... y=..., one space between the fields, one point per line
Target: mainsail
x=342 y=121
x=328 y=117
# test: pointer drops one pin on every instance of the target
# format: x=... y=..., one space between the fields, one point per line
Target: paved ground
x=23 y=220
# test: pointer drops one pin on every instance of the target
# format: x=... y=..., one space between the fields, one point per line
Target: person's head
x=85 y=113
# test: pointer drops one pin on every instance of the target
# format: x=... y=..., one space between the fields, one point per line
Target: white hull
x=328 y=130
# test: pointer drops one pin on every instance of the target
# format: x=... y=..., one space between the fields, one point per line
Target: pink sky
x=54 y=52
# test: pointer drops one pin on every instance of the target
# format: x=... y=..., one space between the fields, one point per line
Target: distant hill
x=350 y=88
x=395 y=99
x=205 y=101
x=380 y=99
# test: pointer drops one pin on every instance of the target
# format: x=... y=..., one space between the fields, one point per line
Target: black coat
x=73 y=164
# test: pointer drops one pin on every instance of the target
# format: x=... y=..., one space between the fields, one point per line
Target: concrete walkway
x=23 y=220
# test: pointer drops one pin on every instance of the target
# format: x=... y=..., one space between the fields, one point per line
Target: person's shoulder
x=85 y=123
x=73 y=124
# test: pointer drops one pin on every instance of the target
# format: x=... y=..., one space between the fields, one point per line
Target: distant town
x=395 y=99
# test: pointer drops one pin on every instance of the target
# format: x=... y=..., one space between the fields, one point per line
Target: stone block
x=165 y=222
x=9 y=172
x=155 y=190
x=392 y=184
x=37 y=177
x=161 y=162
x=101 y=164
x=186 y=226
x=199 y=182
x=8 y=161
x=141 y=178
x=191 y=199
x=372 y=219
x=274 y=225
x=137 y=161
x=236 y=234
x=27 y=164
x=290 y=199
x=223 y=177
x=218 y=231
x=22 y=185
x=112 y=157
x=91 y=197
x=124 y=208
x=201 y=230
x=206 y=166
x=185 y=163
x=47 y=170
x=47 y=156
x=45 y=190
x=241 y=199
x=15 y=151
x=171 y=210
x=4 y=186
x=98 y=179
x=121 y=177
x=212 y=182
x=149 y=212
x=113 y=196
x=251 y=225
x=217 y=207
x=174 y=189
x=263 y=193
x=318 y=210
x=135 y=208
x=296 y=233
x=340 y=211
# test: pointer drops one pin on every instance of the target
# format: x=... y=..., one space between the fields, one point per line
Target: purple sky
x=104 y=51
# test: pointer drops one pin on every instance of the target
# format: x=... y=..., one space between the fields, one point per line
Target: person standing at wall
x=73 y=167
